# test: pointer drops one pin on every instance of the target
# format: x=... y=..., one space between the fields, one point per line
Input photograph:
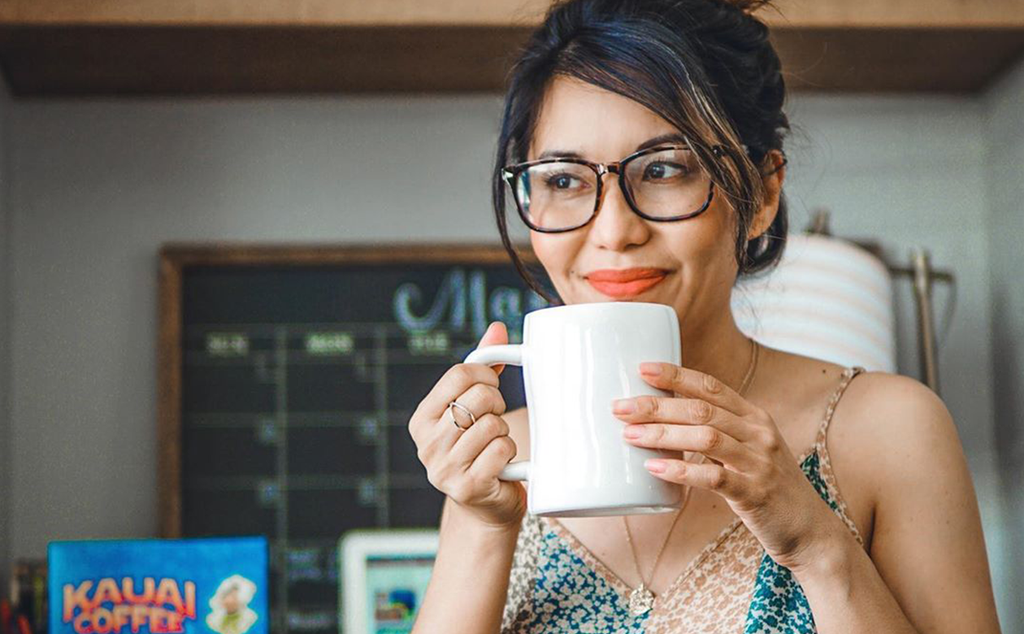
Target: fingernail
x=633 y=432
x=623 y=406
x=653 y=369
x=655 y=466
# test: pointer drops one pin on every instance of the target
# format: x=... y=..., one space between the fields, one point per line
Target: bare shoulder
x=894 y=418
x=900 y=427
x=892 y=438
x=519 y=430
x=886 y=429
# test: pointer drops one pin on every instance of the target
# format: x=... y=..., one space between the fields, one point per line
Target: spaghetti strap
x=844 y=381
x=828 y=476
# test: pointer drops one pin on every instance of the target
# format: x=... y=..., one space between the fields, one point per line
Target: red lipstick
x=621 y=283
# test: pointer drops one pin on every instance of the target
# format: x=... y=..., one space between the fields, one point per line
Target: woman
x=229 y=606
x=874 y=528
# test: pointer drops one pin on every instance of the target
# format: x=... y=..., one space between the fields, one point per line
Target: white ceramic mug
x=576 y=359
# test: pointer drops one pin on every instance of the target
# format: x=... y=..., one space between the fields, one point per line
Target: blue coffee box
x=212 y=585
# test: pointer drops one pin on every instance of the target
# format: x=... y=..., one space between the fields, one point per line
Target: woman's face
x=695 y=256
x=231 y=602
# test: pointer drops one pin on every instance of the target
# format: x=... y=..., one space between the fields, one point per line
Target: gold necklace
x=641 y=599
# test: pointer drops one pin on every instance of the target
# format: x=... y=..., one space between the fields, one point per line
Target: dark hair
x=705 y=66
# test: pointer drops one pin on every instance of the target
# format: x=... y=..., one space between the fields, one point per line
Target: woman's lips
x=621 y=284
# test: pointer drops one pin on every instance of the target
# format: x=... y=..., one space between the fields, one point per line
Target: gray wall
x=6 y=297
x=1004 y=168
x=96 y=186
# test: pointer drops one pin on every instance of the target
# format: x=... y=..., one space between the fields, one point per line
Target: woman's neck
x=718 y=349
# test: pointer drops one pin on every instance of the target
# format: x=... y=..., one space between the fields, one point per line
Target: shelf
x=222 y=47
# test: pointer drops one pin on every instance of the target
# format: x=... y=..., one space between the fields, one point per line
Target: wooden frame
x=175 y=257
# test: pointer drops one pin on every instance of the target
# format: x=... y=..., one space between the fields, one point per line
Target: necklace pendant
x=640 y=600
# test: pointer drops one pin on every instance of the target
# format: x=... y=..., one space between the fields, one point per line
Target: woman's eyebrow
x=672 y=137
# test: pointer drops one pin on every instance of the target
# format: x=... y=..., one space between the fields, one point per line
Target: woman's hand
x=464 y=464
x=749 y=463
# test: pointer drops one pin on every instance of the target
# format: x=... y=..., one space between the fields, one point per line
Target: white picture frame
x=356 y=549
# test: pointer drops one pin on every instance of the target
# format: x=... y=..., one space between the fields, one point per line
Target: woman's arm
x=481 y=518
x=928 y=564
x=468 y=585
x=470 y=580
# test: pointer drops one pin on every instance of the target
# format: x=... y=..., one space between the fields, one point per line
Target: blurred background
x=128 y=125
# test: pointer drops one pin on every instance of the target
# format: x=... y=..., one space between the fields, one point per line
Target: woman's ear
x=772 y=177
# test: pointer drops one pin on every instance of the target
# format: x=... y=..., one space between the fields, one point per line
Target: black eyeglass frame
x=511 y=172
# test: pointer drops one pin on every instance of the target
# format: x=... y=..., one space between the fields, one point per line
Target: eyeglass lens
x=662 y=184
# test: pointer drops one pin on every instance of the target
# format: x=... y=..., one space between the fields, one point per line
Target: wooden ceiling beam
x=824 y=14
x=197 y=47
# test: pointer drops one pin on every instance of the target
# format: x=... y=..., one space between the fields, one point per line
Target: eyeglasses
x=663 y=183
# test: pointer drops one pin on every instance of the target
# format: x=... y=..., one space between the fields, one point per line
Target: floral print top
x=731 y=587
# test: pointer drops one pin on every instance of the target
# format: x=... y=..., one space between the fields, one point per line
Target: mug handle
x=511 y=354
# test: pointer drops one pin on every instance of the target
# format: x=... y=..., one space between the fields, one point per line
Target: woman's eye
x=661 y=171
x=563 y=182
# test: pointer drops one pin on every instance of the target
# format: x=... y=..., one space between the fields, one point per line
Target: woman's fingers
x=695 y=384
x=456 y=380
x=460 y=376
x=703 y=439
x=480 y=399
x=480 y=477
x=473 y=441
x=463 y=451
x=441 y=435
x=430 y=424
x=493 y=458
x=496 y=334
x=682 y=411
x=708 y=476
x=467 y=473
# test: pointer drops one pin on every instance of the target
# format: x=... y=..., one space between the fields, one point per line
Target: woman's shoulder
x=889 y=413
x=888 y=433
x=867 y=408
x=896 y=423
x=897 y=438
x=873 y=426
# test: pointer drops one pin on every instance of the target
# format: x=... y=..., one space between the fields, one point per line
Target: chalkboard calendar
x=287 y=379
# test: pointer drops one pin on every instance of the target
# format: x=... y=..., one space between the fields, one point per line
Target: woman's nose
x=616 y=226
